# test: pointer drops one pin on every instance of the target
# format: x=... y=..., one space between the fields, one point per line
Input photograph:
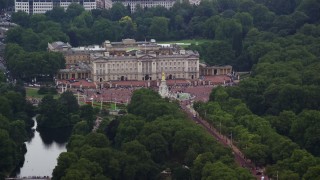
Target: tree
x=218 y=53
x=159 y=28
x=5 y=4
x=111 y=130
x=246 y=5
x=14 y=35
x=246 y=21
x=87 y=113
x=53 y=114
x=118 y=11
x=8 y=152
x=84 y=169
x=211 y=25
x=281 y=6
x=103 y=30
x=69 y=102
x=135 y=148
x=74 y=10
x=222 y=5
x=18 y=131
x=257 y=153
x=219 y=95
x=158 y=147
x=200 y=162
x=97 y=140
x=312 y=173
x=283 y=122
x=128 y=26
x=81 y=128
x=305 y=130
x=284 y=25
x=206 y=9
x=65 y=160
x=218 y=170
x=262 y=17
x=311 y=8
x=5 y=108
x=107 y=158
x=21 y=18
x=35 y=19
x=57 y=14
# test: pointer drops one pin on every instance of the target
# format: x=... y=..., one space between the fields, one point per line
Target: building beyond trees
x=133 y=4
x=132 y=60
x=42 y=6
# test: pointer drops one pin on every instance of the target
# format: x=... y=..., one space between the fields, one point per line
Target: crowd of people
x=121 y=91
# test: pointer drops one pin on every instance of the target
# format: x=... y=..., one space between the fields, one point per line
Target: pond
x=43 y=149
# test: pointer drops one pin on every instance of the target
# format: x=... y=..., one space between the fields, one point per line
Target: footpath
x=240 y=159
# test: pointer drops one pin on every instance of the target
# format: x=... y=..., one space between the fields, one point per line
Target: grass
x=33 y=93
x=187 y=42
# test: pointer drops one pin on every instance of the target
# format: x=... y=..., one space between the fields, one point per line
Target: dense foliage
x=257 y=139
x=15 y=122
x=241 y=30
x=27 y=65
x=273 y=115
x=63 y=112
x=6 y=4
x=156 y=137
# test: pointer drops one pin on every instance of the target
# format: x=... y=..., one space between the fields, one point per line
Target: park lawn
x=33 y=93
x=187 y=42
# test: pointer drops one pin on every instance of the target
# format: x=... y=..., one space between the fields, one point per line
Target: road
x=240 y=159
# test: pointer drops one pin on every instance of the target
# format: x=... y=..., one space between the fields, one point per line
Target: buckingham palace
x=132 y=60
x=140 y=64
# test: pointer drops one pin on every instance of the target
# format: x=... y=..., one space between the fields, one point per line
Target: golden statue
x=163 y=78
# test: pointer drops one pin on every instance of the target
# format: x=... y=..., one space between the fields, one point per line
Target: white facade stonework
x=42 y=6
x=147 y=3
x=145 y=66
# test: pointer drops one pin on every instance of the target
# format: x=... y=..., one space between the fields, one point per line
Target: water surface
x=43 y=150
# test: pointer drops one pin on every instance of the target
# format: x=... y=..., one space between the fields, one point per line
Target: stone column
x=186 y=70
x=139 y=64
x=153 y=70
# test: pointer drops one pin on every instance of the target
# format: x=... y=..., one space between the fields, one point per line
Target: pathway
x=224 y=140
x=97 y=124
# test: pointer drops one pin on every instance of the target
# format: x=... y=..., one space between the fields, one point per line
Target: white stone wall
x=42 y=7
x=89 y=5
x=167 y=4
x=65 y=4
x=22 y=6
x=135 y=69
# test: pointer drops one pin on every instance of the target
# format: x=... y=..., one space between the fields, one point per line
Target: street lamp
x=231 y=138
x=91 y=101
x=101 y=99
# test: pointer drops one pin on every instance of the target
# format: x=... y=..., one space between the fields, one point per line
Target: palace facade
x=132 y=60
x=146 y=66
x=142 y=60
